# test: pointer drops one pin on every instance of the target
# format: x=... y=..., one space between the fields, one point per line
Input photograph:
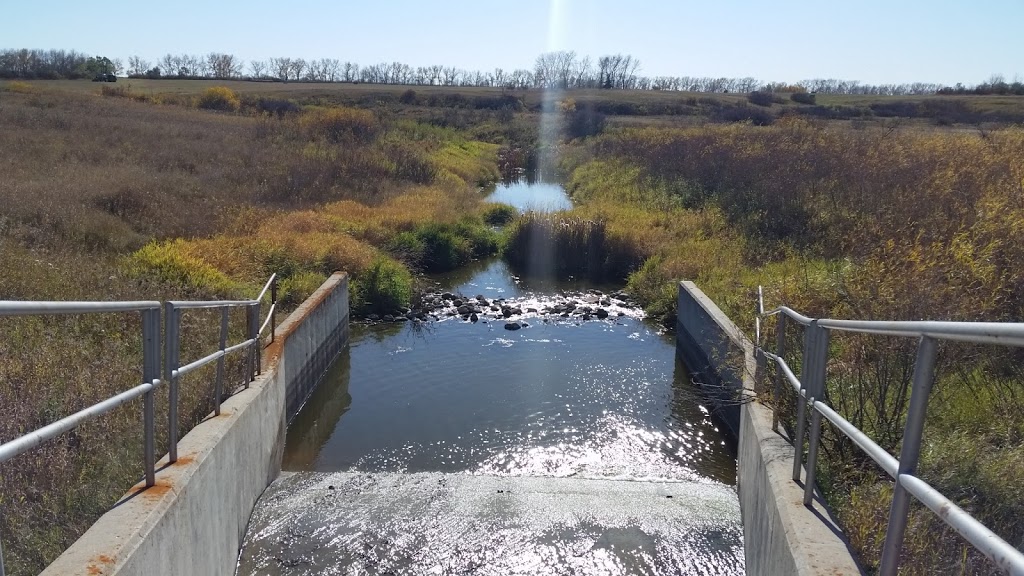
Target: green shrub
x=802 y=98
x=174 y=263
x=560 y=246
x=655 y=290
x=760 y=98
x=408 y=247
x=442 y=246
x=383 y=288
x=498 y=214
x=293 y=290
x=219 y=98
x=408 y=97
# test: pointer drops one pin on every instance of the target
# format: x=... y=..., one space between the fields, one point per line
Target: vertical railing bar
x=170 y=339
x=173 y=347
x=913 y=430
x=250 y=327
x=273 y=308
x=780 y=351
x=801 y=401
x=218 y=389
x=254 y=335
x=150 y=372
x=816 y=392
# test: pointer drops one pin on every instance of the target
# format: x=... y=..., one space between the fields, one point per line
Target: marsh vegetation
x=871 y=207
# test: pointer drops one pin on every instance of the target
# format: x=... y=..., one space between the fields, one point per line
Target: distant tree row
x=563 y=70
x=55 y=64
x=997 y=84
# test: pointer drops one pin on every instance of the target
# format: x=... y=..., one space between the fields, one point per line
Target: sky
x=873 y=41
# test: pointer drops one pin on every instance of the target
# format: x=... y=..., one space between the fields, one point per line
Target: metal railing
x=173 y=370
x=151 y=322
x=810 y=392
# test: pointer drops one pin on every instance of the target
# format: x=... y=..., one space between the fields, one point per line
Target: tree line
x=558 y=70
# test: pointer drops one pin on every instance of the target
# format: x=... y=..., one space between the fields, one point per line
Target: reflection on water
x=599 y=398
x=531 y=191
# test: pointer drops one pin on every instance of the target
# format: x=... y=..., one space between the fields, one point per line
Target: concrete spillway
x=430 y=523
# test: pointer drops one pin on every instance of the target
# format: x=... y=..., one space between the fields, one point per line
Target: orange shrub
x=220 y=98
x=339 y=124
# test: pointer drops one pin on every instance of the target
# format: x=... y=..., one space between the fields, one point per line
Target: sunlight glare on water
x=560 y=397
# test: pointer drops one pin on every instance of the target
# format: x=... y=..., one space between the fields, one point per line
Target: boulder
x=512 y=326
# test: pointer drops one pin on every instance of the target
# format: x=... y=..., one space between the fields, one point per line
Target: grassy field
x=167 y=189
x=889 y=223
x=629 y=102
x=106 y=197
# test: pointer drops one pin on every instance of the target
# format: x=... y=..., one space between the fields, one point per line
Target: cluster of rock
x=589 y=305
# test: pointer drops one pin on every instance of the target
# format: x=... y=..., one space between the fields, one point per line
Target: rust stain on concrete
x=274 y=350
x=184 y=460
x=94 y=569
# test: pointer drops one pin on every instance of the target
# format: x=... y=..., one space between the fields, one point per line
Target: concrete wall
x=193 y=521
x=780 y=535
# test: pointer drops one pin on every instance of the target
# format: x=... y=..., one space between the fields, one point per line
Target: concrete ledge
x=780 y=535
x=193 y=520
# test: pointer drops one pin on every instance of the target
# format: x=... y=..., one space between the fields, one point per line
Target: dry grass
x=884 y=223
x=128 y=196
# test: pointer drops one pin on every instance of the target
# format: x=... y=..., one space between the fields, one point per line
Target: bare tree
x=282 y=68
x=449 y=76
x=223 y=65
x=298 y=67
x=137 y=66
x=170 y=65
x=350 y=72
x=330 y=68
x=257 y=68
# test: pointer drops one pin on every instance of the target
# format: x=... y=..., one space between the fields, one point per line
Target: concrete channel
x=216 y=497
x=431 y=523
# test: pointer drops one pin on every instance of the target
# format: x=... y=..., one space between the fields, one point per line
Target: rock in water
x=602 y=313
x=463 y=310
x=512 y=326
x=473 y=318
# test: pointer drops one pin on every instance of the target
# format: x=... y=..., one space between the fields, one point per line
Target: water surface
x=529 y=191
x=560 y=397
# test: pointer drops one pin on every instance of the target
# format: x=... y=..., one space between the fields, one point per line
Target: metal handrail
x=810 y=393
x=174 y=371
x=38 y=437
x=151 y=322
x=22 y=308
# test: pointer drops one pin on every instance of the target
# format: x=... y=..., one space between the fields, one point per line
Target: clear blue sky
x=874 y=41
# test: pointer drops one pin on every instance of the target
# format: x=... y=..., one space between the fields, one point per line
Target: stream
x=568 y=393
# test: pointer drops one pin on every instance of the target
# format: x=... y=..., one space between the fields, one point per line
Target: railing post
x=257 y=349
x=780 y=351
x=924 y=374
x=815 y=391
x=251 y=327
x=810 y=334
x=273 y=308
x=172 y=350
x=218 y=390
x=150 y=372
